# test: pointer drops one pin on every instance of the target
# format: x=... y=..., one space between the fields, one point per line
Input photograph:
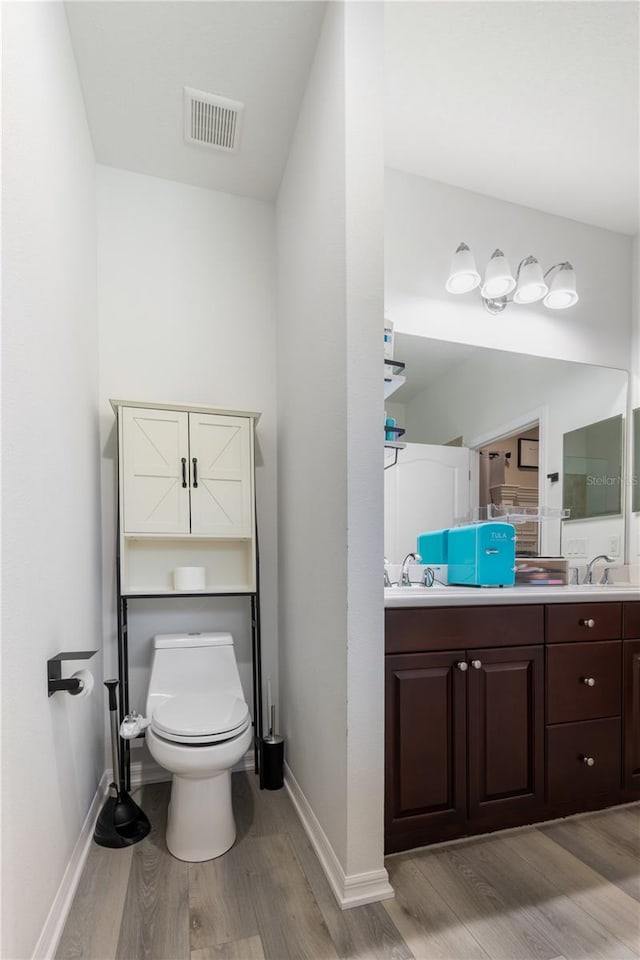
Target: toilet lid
x=200 y=715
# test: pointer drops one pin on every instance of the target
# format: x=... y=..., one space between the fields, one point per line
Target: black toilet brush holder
x=273 y=757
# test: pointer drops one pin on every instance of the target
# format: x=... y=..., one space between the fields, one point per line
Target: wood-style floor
x=567 y=890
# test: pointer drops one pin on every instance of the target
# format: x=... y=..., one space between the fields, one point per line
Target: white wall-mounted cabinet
x=186 y=489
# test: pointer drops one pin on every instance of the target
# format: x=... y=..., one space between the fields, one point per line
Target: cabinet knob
x=463 y=665
x=587 y=623
x=588 y=761
x=476 y=664
x=589 y=681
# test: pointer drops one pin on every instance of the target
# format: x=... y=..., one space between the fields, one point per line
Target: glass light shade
x=463 y=275
x=498 y=279
x=562 y=292
x=531 y=282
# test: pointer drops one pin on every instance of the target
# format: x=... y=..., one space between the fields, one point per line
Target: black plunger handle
x=111 y=686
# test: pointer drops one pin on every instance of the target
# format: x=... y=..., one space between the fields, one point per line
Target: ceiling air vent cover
x=212 y=121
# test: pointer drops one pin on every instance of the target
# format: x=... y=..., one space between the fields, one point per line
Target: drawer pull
x=589 y=681
x=587 y=623
x=588 y=761
x=476 y=664
x=463 y=665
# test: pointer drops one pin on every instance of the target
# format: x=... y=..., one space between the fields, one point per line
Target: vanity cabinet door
x=425 y=795
x=631 y=748
x=506 y=731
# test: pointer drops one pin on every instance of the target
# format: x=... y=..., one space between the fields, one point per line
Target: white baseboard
x=141 y=773
x=350 y=890
x=47 y=944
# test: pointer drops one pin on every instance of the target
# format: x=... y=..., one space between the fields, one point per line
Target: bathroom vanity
x=507 y=707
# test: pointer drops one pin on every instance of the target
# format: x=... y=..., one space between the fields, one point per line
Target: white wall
x=52 y=750
x=330 y=312
x=187 y=300
x=424 y=223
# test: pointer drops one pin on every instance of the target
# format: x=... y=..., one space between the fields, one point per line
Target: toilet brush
x=121 y=821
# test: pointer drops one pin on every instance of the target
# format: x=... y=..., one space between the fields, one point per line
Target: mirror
x=512 y=407
x=635 y=476
x=592 y=469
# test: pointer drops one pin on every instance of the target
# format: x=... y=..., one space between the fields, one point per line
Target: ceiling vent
x=212 y=121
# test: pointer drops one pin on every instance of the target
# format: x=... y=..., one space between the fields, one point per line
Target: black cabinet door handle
x=195 y=471
x=184 y=471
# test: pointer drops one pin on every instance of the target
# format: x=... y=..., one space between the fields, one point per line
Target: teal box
x=482 y=555
x=432 y=546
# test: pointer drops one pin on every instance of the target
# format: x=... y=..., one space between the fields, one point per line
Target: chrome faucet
x=588 y=574
x=405 y=580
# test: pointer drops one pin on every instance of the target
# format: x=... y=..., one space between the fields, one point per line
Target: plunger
x=121 y=821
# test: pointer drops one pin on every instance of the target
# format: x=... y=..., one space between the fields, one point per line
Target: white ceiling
x=135 y=58
x=531 y=102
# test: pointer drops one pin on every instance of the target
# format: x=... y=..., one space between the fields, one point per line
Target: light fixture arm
x=564 y=265
x=524 y=262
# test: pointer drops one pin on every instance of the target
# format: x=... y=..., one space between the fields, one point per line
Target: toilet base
x=200 y=824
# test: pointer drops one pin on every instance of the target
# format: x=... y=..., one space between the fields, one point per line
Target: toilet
x=199 y=727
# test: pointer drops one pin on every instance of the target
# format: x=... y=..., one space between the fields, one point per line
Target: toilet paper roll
x=189 y=578
x=86 y=677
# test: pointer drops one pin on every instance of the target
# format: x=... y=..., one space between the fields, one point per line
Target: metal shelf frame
x=123 y=601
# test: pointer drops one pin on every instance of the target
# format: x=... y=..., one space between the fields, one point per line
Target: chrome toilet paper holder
x=55 y=682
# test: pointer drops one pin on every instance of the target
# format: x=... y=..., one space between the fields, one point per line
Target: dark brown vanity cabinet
x=465 y=730
x=498 y=716
x=584 y=702
x=631 y=697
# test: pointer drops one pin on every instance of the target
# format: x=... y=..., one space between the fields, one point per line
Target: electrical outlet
x=576 y=548
x=613 y=546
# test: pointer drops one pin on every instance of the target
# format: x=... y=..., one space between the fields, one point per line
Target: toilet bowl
x=199 y=728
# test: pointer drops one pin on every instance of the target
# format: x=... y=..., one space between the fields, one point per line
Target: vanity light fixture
x=528 y=286
x=463 y=275
x=498 y=279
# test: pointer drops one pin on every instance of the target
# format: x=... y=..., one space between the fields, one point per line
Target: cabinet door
x=154 y=444
x=506 y=730
x=221 y=476
x=425 y=747
x=631 y=732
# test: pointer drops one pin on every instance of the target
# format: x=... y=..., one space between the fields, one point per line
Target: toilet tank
x=192 y=663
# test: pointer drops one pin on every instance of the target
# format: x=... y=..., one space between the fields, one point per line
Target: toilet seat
x=201 y=718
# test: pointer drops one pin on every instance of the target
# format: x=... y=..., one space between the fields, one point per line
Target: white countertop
x=440 y=596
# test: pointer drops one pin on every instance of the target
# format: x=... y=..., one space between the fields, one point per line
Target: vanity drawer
x=631 y=621
x=569 y=665
x=574 y=622
x=569 y=745
x=418 y=629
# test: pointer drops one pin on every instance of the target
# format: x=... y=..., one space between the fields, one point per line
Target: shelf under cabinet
x=148 y=562
x=238 y=591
